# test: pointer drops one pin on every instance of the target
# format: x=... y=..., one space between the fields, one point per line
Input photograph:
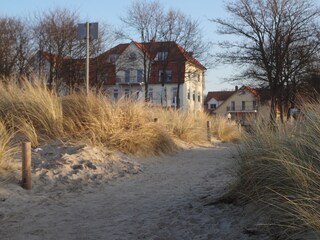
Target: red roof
x=219 y=95
x=152 y=48
x=251 y=90
x=115 y=50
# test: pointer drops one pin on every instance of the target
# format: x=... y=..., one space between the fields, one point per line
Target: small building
x=242 y=104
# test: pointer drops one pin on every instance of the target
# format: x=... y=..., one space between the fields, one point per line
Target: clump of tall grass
x=31 y=105
x=225 y=130
x=7 y=150
x=125 y=125
x=280 y=170
x=185 y=126
x=37 y=115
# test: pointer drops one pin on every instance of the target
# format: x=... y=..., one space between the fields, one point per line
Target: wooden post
x=209 y=130
x=26 y=165
x=155 y=120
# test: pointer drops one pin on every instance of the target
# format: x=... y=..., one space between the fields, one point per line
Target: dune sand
x=86 y=193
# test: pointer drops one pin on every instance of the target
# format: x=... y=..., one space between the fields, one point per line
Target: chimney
x=236 y=88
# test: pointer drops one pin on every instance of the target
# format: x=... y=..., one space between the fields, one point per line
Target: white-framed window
x=199 y=97
x=115 y=93
x=132 y=56
x=194 y=95
x=189 y=94
x=139 y=75
x=243 y=105
x=102 y=78
x=81 y=75
x=113 y=58
x=213 y=106
x=127 y=76
x=126 y=93
x=150 y=94
x=174 y=91
x=233 y=106
x=165 y=76
x=161 y=56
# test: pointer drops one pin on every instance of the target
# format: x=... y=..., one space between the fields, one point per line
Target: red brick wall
x=177 y=70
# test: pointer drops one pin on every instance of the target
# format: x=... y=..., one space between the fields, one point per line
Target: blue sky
x=110 y=11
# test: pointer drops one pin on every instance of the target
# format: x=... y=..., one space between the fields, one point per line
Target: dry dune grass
x=32 y=110
x=225 y=130
x=37 y=115
x=125 y=126
x=186 y=126
x=7 y=150
x=280 y=170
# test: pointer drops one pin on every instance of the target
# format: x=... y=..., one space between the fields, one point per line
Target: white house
x=173 y=76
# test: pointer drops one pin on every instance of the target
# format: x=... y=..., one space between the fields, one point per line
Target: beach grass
x=280 y=171
x=7 y=149
x=38 y=115
x=226 y=130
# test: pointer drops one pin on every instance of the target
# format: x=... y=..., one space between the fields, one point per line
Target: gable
x=245 y=94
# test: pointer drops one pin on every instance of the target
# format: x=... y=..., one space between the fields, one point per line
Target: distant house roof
x=218 y=95
x=115 y=50
x=249 y=89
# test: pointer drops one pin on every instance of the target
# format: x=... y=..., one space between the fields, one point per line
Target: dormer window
x=132 y=56
x=161 y=56
x=165 y=76
x=113 y=58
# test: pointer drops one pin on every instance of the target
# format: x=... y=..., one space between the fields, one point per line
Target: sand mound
x=58 y=166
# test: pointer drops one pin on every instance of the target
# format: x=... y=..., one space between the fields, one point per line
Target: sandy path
x=165 y=201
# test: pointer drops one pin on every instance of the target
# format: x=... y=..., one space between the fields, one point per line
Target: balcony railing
x=242 y=108
x=130 y=80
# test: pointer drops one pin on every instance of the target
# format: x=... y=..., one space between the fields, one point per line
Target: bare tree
x=144 y=18
x=14 y=47
x=153 y=25
x=55 y=33
x=276 y=42
x=178 y=28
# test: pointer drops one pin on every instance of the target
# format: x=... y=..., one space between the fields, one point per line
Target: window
x=150 y=94
x=102 y=78
x=165 y=76
x=126 y=93
x=139 y=75
x=162 y=56
x=113 y=58
x=199 y=97
x=199 y=77
x=189 y=94
x=174 y=95
x=127 y=76
x=243 y=105
x=132 y=56
x=115 y=94
x=254 y=105
x=82 y=75
x=233 y=106
x=194 y=96
x=213 y=106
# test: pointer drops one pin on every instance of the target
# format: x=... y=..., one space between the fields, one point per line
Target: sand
x=82 y=192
